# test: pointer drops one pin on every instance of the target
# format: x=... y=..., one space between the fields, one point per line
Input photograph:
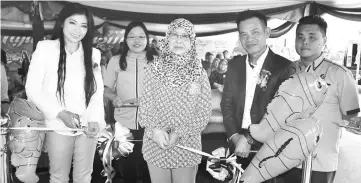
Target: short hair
x=244 y=15
x=313 y=20
x=208 y=54
x=225 y=51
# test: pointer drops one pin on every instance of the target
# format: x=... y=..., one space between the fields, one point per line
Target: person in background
x=244 y=98
x=153 y=48
x=220 y=56
x=226 y=55
x=208 y=62
x=215 y=64
x=217 y=77
x=123 y=85
x=115 y=50
x=4 y=84
x=65 y=82
x=175 y=107
x=341 y=100
x=103 y=63
x=23 y=71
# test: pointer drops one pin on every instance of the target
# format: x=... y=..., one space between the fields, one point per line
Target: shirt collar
x=260 y=60
x=314 y=64
x=132 y=55
x=79 y=50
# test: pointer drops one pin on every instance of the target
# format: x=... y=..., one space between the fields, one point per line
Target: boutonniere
x=96 y=66
x=263 y=78
x=194 y=88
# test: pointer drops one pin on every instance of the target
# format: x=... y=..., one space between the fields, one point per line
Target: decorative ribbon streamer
x=197 y=151
x=219 y=166
x=113 y=144
x=44 y=129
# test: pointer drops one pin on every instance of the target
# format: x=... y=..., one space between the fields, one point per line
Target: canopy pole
x=37 y=22
x=307 y=170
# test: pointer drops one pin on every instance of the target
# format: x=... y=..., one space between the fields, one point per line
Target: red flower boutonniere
x=263 y=78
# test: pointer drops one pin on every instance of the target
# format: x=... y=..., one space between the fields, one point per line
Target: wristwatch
x=246 y=133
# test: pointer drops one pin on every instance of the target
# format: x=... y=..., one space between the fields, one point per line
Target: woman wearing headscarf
x=217 y=77
x=175 y=107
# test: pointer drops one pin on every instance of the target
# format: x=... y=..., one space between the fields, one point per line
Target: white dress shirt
x=252 y=75
x=41 y=86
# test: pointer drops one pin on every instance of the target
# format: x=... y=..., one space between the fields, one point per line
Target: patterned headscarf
x=177 y=70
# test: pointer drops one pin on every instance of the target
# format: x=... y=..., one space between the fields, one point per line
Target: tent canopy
x=209 y=17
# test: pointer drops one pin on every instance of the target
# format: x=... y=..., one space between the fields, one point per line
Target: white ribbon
x=217 y=155
x=44 y=129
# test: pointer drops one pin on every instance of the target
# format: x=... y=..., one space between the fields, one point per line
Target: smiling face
x=136 y=40
x=309 y=41
x=223 y=65
x=179 y=41
x=75 y=28
x=253 y=35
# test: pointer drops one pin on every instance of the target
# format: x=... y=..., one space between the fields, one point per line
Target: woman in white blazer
x=65 y=82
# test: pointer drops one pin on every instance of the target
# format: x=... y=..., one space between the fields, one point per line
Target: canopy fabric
x=209 y=7
x=209 y=17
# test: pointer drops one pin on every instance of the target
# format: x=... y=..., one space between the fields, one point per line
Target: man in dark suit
x=251 y=82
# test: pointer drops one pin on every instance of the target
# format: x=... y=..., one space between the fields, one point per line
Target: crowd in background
x=168 y=84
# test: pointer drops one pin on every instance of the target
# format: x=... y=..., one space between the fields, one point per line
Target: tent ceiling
x=209 y=17
x=207 y=7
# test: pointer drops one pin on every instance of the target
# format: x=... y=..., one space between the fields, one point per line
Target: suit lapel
x=268 y=65
x=243 y=77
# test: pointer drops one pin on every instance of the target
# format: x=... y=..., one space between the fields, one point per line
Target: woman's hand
x=93 y=129
x=68 y=118
x=117 y=102
x=133 y=101
x=173 y=138
x=161 y=137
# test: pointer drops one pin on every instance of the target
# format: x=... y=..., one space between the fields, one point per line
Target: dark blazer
x=233 y=98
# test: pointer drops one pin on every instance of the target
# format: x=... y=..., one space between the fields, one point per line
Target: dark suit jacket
x=233 y=98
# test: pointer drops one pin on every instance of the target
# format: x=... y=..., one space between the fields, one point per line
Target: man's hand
x=242 y=147
x=173 y=138
x=68 y=118
x=220 y=88
x=161 y=137
x=352 y=125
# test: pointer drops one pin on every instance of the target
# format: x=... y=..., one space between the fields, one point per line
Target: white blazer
x=41 y=86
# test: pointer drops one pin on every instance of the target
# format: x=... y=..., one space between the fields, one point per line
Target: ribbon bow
x=220 y=165
x=224 y=166
x=113 y=144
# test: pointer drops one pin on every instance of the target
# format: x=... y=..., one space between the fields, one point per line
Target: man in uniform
x=341 y=100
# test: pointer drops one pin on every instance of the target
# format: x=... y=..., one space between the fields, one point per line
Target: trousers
x=65 y=150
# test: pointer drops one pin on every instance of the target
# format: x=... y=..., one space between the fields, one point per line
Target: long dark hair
x=123 y=61
x=87 y=42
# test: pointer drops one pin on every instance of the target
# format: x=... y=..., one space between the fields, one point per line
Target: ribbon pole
x=307 y=169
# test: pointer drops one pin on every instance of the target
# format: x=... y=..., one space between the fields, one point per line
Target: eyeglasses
x=136 y=37
x=183 y=37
